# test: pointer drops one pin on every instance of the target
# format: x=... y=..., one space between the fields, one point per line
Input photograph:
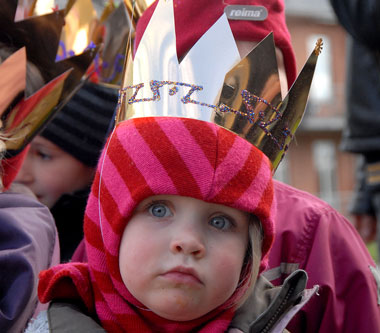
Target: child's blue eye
x=159 y=210
x=221 y=222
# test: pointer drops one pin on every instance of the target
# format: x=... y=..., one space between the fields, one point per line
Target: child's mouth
x=182 y=275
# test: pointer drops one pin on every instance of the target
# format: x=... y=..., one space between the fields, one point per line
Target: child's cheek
x=229 y=265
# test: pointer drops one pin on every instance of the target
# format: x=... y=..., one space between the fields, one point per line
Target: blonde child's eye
x=159 y=210
x=221 y=222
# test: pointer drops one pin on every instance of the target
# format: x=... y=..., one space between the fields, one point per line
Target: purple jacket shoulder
x=27 y=245
x=313 y=236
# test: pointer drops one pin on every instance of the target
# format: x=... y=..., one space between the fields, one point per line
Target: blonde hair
x=252 y=259
x=3 y=147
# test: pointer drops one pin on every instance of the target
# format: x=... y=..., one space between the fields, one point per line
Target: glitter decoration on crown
x=213 y=84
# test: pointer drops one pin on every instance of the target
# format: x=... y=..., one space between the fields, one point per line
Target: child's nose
x=188 y=243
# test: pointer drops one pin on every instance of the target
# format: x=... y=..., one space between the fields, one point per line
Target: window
x=324 y=156
x=322 y=86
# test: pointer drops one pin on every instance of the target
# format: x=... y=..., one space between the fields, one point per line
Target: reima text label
x=250 y=13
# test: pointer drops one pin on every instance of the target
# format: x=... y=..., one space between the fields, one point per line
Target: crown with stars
x=212 y=83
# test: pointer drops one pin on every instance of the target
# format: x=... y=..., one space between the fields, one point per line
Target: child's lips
x=183 y=275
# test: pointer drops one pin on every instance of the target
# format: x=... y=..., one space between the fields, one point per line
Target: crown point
x=318 y=47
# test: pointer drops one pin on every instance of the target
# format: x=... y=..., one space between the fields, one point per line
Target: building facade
x=315 y=162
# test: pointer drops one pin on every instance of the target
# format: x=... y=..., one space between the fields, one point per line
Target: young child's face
x=182 y=257
x=50 y=172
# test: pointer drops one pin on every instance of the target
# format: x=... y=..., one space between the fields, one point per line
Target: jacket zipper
x=278 y=312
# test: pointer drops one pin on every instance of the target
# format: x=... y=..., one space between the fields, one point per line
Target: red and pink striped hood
x=145 y=157
x=166 y=155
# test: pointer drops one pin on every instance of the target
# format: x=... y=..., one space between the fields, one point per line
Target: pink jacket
x=313 y=236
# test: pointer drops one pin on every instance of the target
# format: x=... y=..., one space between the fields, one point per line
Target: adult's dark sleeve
x=361 y=18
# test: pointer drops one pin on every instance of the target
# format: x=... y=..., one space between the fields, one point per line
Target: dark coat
x=68 y=214
x=361 y=19
x=362 y=133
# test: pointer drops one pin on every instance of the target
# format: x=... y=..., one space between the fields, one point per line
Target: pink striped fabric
x=148 y=156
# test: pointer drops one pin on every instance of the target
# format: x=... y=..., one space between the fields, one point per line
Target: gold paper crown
x=246 y=100
x=25 y=116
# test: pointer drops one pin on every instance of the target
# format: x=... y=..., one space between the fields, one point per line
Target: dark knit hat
x=81 y=127
x=194 y=18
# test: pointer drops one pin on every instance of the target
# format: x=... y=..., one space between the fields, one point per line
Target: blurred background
x=314 y=162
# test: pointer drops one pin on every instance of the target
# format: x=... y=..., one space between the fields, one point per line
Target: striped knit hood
x=150 y=156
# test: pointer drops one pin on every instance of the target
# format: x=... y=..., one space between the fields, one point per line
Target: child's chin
x=176 y=316
x=178 y=309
